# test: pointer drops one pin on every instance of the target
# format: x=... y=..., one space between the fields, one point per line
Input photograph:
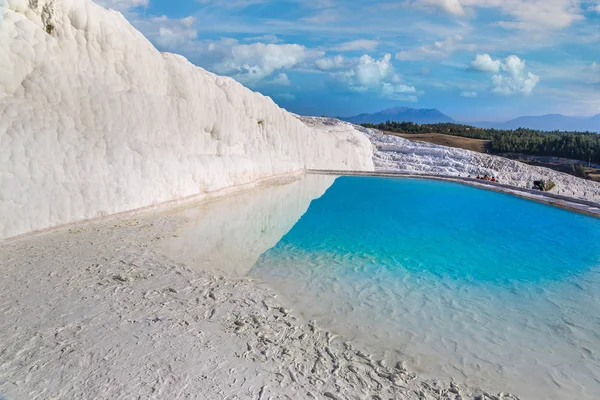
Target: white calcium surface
x=96 y=121
x=396 y=154
x=111 y=310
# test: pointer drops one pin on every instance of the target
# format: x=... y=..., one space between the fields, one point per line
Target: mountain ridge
x=547 y=122
x=416 y=115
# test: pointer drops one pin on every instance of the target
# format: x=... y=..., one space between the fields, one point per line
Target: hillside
x=478 y=145
x=573 y=145
x=550 y=122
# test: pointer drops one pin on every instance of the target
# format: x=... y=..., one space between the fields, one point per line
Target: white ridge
x=96 y=121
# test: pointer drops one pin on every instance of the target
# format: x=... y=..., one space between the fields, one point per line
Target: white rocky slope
x=96 y=121
x=396 y=154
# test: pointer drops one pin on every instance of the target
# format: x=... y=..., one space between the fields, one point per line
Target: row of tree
x=584 y=146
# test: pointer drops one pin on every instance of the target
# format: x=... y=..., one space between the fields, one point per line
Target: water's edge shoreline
x=272 y=180
x=568 y=203
x=87 y=305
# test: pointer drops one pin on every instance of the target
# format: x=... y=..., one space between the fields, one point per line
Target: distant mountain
x=550 y=122
x=418 y=116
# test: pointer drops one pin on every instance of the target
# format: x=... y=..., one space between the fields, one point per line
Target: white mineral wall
x=95 y=121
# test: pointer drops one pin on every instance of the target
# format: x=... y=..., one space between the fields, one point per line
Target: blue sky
x=472 y=59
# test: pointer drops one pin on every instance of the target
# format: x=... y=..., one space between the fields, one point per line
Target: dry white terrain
x=100 y=311
x=396 y=154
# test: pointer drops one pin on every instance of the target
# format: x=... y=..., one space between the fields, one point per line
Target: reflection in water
x=230 y=234
x=487 y=288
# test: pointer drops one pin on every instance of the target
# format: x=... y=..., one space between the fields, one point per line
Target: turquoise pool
x=463 y=283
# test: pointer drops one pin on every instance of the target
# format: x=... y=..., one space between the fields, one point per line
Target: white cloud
x=169 y=34
x=162 y=18
x=122 y=5
x=249 y=63
x=452 y=7
x=232 y=4
x=263 y=39
x=188 y=21
x=483 y=62
x=371 y=72
x=253 y=62
x=468 y=94
x=590 y=74
x=398 y=91
x=510 y=78
x=174 y=35
x=375 y=76
x=580 y=100
x=330 y=63
x=361 y=44
x=524 y=14
x=514 y=79
x=439 y=50
x=284 y=96
x=281 y=80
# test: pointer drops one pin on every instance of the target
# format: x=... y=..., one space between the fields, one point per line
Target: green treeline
x=584 y=146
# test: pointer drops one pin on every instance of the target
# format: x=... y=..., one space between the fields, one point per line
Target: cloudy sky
x=472 y=59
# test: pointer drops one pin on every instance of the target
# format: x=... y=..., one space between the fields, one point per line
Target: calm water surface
x=487 y=288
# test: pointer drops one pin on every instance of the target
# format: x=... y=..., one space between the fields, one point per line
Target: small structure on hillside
x=544 y=185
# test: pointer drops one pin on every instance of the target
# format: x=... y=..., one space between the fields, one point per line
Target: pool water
x=483 y=287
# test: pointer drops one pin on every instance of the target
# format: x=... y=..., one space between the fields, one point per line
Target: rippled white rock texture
x=125 y=307
x=96 y=121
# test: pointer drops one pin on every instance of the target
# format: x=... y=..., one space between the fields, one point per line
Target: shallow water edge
x=100 y=310
x=569 y=203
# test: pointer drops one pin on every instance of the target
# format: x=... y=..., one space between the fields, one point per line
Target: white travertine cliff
x=96 y=121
